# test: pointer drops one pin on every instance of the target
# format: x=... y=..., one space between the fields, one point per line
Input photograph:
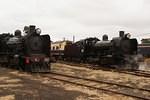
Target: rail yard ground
x=16 y=85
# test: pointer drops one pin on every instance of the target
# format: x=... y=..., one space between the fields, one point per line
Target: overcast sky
x=81 y=18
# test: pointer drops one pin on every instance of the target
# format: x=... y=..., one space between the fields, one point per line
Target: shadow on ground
x=25 y=88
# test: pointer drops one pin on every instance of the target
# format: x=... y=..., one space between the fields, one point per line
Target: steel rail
x=96 y=81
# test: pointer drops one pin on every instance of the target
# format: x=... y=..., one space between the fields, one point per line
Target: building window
x=57 y=47
x=53 y=48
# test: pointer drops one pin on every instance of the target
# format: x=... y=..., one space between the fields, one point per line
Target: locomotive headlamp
x=128 y=35
x=38 y=31
x=16 y=56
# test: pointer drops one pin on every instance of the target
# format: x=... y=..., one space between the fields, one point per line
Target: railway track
x=102 y=85
x=105 y=86
x=141 y=73
x=138 y=73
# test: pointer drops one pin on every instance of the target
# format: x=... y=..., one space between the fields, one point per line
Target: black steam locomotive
x=119 y=50
x=28 y=53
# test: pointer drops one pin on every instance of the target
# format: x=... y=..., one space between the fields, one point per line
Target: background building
x=60 y=45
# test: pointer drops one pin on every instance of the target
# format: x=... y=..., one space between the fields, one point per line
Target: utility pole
x=63 y=38
x=73 y=39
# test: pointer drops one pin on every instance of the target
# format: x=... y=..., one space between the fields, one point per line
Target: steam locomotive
x=144 y=48
x=28 y=53
x=120 y=50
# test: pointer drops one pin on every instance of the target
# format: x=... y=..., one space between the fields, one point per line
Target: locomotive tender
x=28 y=53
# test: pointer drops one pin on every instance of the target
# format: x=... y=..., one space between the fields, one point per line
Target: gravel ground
x=127 y=79
x=15 y=85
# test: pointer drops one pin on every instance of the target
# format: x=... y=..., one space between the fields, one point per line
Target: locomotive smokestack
x=121 y=33
x=32 y=29
x=18 y=33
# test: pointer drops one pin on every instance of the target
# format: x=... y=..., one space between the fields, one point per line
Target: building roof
x=146 y=40
x=61 y=41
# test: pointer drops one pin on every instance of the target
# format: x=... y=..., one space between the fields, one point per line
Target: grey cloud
x=82 y=18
